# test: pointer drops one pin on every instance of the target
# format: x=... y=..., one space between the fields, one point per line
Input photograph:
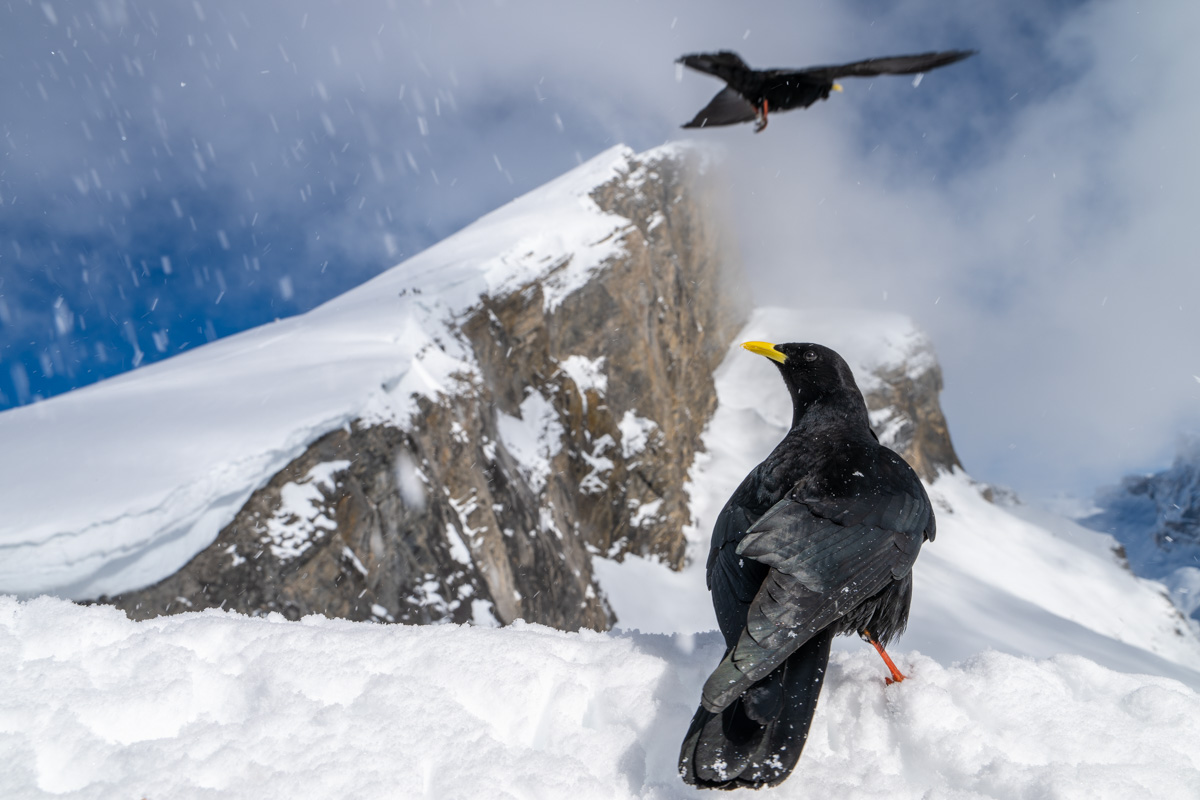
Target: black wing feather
x=820 y=569
x=887 y=65
x=785 y=616
x=733 y=580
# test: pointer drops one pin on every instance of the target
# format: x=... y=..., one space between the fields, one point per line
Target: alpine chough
x=818 y=540
x=751 y=93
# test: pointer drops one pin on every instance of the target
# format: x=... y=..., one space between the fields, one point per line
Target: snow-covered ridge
x=164 y=456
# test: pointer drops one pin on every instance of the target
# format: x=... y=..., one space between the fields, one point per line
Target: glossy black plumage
x=751 y=93
x=818 y=540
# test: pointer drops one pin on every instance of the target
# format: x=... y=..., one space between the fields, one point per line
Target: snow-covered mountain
x=1040 y=665
x=1156 y=518
x=539 y=382
x=117 y=485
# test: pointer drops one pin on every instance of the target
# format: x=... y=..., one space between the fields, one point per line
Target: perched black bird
x=751 y=93
x=819 y=540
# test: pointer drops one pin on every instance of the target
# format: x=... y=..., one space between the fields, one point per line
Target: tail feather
x=757 y=740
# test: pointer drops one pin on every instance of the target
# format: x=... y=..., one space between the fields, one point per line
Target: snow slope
x=213 y=705
x=1024 y=584
x=117 y=485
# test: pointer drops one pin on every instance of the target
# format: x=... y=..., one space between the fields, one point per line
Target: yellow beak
x=765 y=349
x=837 y=87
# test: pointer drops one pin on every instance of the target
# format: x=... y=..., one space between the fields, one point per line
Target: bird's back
x=819 y=539
x=853 y=481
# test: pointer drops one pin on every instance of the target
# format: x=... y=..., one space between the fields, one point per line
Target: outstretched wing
x=727 y=108
x=888 y=65
x=825 y=557
x=730 y=105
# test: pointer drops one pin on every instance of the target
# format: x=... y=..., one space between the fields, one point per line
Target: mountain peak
x=1156 y=518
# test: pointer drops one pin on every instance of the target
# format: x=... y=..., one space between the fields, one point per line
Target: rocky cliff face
x=907 y=416
x=570 y=435
x=574 y=436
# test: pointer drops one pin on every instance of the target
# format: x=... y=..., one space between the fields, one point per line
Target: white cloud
x=1057 y=274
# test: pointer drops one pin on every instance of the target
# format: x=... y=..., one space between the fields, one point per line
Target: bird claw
x=760 y=117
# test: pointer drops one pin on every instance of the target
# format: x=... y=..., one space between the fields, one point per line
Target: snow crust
x=216 y=705
x=587 y=373
x=635 y=433
x=533 y=438
x=118 y=485
x=301 y=515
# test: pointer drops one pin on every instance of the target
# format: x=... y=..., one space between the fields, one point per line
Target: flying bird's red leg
x=897 y=675
x=762 y=117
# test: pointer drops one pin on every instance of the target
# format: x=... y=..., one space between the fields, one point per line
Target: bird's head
x=811 y=371
x=837 y=87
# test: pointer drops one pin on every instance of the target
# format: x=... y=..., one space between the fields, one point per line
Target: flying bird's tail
x=756 y=741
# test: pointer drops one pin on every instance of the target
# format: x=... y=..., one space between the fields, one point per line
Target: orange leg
x=897 y=675
x=762 y=118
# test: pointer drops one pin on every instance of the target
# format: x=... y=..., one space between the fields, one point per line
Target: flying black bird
x=751 y=93
x=819 y=539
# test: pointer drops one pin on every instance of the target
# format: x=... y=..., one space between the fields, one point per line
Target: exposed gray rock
x=908 y=418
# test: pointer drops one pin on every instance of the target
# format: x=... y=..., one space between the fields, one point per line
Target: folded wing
x=824 y=558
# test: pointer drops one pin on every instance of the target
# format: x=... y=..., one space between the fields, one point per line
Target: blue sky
x=175 y=172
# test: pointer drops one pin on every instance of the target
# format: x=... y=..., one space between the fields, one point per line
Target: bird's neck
x=840 y=413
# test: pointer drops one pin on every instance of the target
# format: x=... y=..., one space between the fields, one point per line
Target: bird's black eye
x=810 y=355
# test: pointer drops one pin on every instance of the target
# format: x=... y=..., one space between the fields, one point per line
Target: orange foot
x=761 y=117
x=897 y=675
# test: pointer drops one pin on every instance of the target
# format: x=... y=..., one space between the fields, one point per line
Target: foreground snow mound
x=214 y=705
